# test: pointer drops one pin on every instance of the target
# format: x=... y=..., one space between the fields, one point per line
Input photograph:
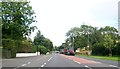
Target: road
x=55 y=60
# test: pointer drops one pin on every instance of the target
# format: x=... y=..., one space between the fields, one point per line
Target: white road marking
x=50 y=59
x=75 y=61
x=95 y=62
x=86 y=66
x=44 y=63
x=78 y=62
x=42 y=66
x=28 y=62
x=113 y=65
x=23 y=64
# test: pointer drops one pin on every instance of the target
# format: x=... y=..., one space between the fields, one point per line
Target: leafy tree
x=61 y=47
x=110 y=31
x=39 y=38
x=71 y=36
x=16 y=20
x=48 y=44
x=99 y=49
x=57 y=48
x=97 y=39
x=108 y=43
x=81 y=36
x=42 y=41
x=42 y=49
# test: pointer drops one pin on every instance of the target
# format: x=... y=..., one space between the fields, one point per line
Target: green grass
x=104 y=57
x=1 y=47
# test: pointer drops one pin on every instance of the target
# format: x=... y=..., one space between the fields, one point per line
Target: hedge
x=9 y=48
x=24 y=46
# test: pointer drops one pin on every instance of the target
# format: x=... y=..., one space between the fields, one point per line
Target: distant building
x=119 y=17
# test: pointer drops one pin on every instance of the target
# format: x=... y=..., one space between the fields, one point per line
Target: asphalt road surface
x=55 y=61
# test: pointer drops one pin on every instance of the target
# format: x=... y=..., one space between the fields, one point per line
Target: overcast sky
x=56 y=17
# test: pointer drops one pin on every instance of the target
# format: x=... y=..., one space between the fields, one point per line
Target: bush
x=34 y=49
x=24 y=46
x=99 y=49
x=19 y=46
x=116 y=50
x=42 y=49
x=9 y=48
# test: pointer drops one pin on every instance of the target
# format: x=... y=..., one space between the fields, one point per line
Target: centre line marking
x=86 y=66
x=50 y=59
x=23 y=64
x=113 y=65
x=28 y=62
x=44 y=63
x=42 y=66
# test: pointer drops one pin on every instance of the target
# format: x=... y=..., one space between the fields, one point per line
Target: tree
x=71 y=36
x=16 y=20
x=42 y=49
x=48 y=44
x=108 y=43
x=39 y=38
x=42 y=41
x=94 y=37
x=81 y=36
x=110 y=31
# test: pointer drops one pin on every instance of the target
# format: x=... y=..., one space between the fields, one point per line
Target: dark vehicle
x=65 y=51
x=61 y=51
x=56 y=51
x=71 y=52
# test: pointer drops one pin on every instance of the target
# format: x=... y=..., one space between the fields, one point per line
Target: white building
x=119 y=17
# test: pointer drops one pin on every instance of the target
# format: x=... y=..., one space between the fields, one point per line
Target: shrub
x=24 y=46
x=116 y=50
x=99 y=49
x=19 y=46
x=42 y=49
x=9 y=48
x=34 y=49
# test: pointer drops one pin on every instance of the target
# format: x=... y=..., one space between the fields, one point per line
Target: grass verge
x=104 y=57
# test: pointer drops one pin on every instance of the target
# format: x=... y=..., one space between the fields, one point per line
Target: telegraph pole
x=119 y=18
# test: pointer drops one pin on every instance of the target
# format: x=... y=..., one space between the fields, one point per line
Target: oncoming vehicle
x=61 y=51
x=56 y=51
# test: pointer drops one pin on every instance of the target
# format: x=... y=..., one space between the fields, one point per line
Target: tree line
x=103 y=41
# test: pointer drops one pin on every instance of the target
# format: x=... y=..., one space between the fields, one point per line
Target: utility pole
x=73 y=42
x=88 y=37
x=119 y=18
x=37 y=48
